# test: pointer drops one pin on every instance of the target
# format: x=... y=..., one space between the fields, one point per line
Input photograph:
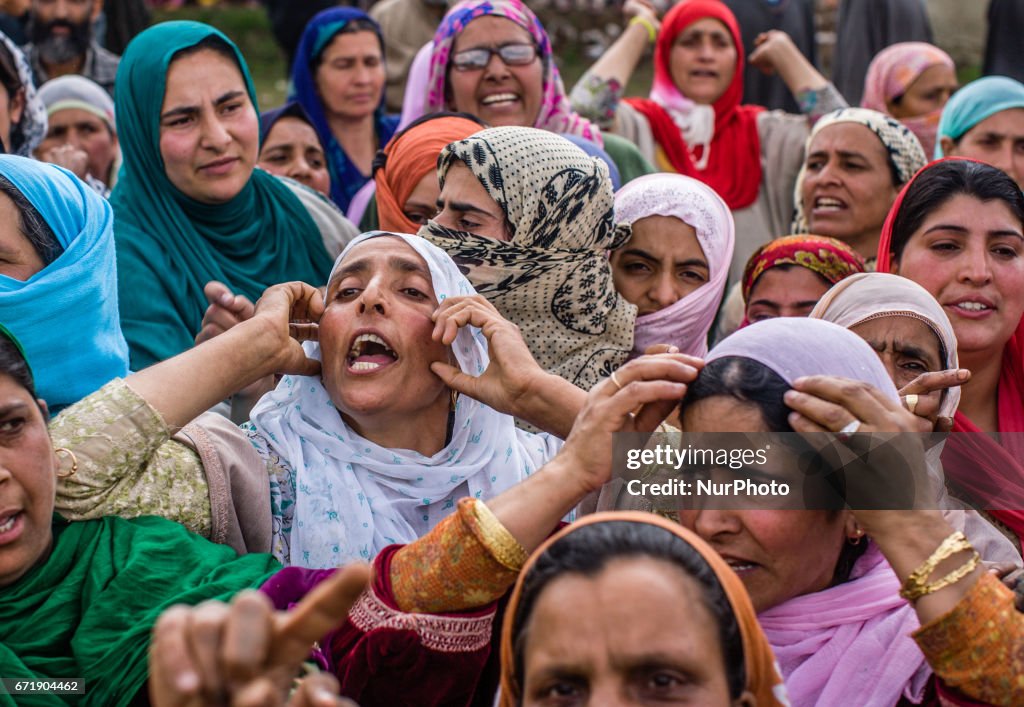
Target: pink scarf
x=684 y=323
x=849 y=644
x=891 y=73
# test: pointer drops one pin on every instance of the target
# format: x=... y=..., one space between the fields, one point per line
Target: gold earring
x=74 y=462
x=858 y=535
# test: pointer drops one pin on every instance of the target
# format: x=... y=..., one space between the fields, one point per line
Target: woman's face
x=292 y=149
x=27 y=482
x=969 y=255
x=998 y=140
x=785 y=291
x=662 y=263
x=466 y=206
x=209 y=131
x=421 y=206
x=19 y=260
x=848 y=189
x=926 y=94
x=703 y=61
x=779 y=554
x=375 y=334
x=497 y=94
x=86 y=132
x=11 y=109
x=637 y=633
x=350 y=78
x=906 y=345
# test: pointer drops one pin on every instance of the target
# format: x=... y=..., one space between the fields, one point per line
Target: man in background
x=61 y=42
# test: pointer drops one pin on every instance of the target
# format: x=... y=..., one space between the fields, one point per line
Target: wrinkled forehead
x=376 y=254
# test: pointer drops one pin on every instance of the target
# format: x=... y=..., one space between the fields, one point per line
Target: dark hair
x=588 y=550
x=33 y=225
x=360 y=24
x=211 y=42
x=745 y=380
x=11 y=81
x=750 y=381
x=941 y=182
x=381 y=159
x=13 y=364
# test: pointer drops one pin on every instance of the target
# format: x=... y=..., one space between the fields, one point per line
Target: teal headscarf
x=974 y=103
x=169 y=245
x=66 y=314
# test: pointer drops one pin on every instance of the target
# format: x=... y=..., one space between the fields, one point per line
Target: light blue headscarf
x=974 y=103
x=66 y=315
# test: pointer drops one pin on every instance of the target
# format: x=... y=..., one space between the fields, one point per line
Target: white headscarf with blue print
x=347 y=498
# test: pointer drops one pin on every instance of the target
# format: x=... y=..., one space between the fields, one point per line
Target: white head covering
x=32 y=126
x=73 y=91
x=354 y=498
x=684 y=323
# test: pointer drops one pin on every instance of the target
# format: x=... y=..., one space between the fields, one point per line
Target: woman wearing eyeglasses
x=492 y=59
x=338 y=78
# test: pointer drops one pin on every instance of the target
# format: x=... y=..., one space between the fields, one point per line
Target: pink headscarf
x=555 y=115
x=686 y=322
x=849 y=644
x=891 y=73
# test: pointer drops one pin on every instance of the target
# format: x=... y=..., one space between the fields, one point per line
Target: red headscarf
x=410 y=156
x=992 y=474
x=734 y=165
x=831 y=259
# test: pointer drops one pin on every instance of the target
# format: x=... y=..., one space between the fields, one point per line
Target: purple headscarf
x=848 y=644
x=556 y=115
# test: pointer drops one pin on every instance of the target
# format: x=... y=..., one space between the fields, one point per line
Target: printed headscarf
x=903 y=147
x=830 y=258
x=552 y=278
x=684 y=323
x=31 y=129
x=354 y=497
x=760 y=668
x=555 y=113
x=718 y=144
x=891 y=73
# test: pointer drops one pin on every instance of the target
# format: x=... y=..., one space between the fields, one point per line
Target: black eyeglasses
x=516 y=54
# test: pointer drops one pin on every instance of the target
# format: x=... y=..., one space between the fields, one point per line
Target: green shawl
x=89 y=610
x=168 y=245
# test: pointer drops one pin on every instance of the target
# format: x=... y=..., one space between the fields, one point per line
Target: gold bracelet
x=652 y=31
x=915 y=593
x=494 y=536
x=916 y=584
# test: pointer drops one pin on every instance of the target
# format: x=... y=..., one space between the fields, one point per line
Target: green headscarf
x=168 y=245
x=88 y=611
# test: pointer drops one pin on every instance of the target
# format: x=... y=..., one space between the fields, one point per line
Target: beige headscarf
x=867 y=296
x=552 y=278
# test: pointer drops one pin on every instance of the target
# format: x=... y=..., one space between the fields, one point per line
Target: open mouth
x=741 y=566
x=704 y=74
x=828 y=204
x=499 y=99
x=370 y=352
x=972 y=307
x=8 y=522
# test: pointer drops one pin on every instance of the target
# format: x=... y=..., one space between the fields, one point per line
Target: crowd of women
x=333 y=416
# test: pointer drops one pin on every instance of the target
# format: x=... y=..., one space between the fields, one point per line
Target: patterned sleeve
x=816 y=103
x=127 y=464
x=282 y=494
x=976 y=648
x=596 y=99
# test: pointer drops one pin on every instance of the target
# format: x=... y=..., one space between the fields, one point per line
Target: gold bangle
x=652 y=31
x=496 y=538
x=916 y=584
x=915 y=593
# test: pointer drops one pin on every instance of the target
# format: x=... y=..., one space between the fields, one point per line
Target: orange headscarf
x=763 y=678
x=409 y=157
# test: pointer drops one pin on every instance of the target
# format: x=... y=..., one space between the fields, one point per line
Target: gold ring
x=911 y=402
x=616 y=381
